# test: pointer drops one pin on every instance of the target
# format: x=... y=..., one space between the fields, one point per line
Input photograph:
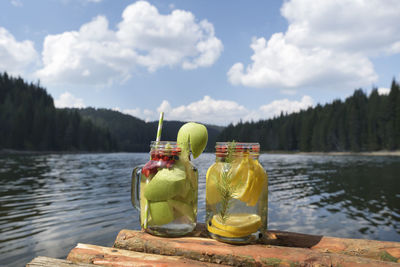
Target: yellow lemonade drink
x=236 y=194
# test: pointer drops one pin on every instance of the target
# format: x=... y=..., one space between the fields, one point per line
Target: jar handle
x=135 y=187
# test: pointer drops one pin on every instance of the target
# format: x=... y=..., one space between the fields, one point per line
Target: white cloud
x=144 y=38
x=286 y=106
x=383 y=91
x=205 y=110
x=164 y=107
x=67 y=100
x=90 y=55
x=15 y=57
x=327 y=43
x=345 y=25
x=220 y=112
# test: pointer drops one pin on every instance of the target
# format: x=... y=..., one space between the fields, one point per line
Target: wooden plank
x=199 y=248
x=379 y=250
x=51 y=262
x=105 y=256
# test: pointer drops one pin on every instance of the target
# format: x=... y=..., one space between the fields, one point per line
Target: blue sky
x=208 y=61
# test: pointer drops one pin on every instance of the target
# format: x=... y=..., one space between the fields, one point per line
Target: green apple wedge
x=194 y=134
x=166 y=184
x=161 y=213
x=182 y=208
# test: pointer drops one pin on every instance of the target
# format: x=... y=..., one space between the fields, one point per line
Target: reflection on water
x=345 y=196
x=49 y=203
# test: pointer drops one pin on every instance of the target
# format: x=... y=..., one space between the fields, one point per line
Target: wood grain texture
x=51 y=262
x=379 y=250
x=105 y=256
x=293 y=250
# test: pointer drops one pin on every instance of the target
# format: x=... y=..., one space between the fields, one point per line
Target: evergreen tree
x=360 y=123
x=29 y=121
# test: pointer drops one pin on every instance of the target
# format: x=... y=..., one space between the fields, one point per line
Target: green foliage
x=29 y=121
x=387 y=257
x=360 y=123
x=133 y=134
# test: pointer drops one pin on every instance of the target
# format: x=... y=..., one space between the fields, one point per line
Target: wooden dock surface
x=276 y=248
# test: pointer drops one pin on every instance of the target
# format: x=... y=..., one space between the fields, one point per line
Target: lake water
x=50 y=202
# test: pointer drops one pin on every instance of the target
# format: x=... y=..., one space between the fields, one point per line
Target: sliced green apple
x=161 y=213
x=194 y=134
x=183 y=208
x=166 y=184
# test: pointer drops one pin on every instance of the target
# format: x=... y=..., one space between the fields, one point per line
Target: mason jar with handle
x=164 y=190
x=236 y=194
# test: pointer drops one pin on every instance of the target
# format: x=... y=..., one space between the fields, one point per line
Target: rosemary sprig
x=224 y=186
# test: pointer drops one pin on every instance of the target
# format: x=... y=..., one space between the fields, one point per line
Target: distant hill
x=133 y=134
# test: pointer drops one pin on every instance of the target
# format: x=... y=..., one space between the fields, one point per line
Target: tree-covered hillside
x=29 y=121
x=360 y=123
x=133 y=134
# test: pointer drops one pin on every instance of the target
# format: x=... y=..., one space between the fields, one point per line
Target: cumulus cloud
x=383 y=91
x=15 y=56
x=220 y=112
x=326 y=43
x=67 y=100
x=205 y=110
x=90 y=55
x=95 y=54
x=286 y=106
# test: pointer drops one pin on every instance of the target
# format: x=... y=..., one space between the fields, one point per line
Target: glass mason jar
x=164 y=190
x=236 y=194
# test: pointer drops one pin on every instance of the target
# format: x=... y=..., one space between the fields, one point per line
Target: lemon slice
x=240 y=179
x=259 y=183
x=223 y=233
x=249 y=177
x=212 y=178
x=240 y=224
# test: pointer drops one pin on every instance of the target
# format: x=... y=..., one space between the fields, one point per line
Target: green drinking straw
x=158 y=139
x=160 y=122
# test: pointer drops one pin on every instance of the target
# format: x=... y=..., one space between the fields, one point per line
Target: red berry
x=146 y=172
x=150 y=167
x=239 y=148
x=170 y=163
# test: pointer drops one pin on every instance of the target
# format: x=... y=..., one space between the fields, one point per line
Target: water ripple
x=49 y=203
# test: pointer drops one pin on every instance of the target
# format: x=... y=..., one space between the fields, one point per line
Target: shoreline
x=341 y=153
x=332 y=153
